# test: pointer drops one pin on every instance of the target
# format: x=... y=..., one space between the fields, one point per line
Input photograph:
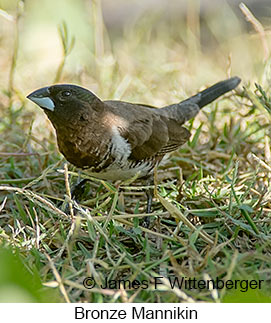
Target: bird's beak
x=42 y=98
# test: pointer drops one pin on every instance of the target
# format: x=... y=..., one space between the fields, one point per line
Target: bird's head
x=64 y=100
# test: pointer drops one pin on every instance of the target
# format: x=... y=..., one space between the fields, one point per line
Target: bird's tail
x=213 y=92
x=190 y=107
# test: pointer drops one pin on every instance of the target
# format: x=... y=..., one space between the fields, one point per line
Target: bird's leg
x=77 y=193
x=149 y=193
x=78 y=190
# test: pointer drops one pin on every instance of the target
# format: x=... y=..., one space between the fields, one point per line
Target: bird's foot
x=79 y=190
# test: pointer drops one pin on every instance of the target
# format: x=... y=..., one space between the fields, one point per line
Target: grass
x=211 y=214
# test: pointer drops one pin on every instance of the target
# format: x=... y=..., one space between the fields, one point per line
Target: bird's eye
x=66 y=94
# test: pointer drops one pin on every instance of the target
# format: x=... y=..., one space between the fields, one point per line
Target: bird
x=117 y=140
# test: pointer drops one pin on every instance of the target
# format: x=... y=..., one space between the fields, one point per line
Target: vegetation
x=211 y=213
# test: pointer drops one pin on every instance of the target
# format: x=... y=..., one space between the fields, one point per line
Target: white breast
x=121 y=149
x=122 y=168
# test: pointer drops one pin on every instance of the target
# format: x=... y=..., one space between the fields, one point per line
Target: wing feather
x=149 y=133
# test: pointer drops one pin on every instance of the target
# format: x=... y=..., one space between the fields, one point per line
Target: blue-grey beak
x=42 y=98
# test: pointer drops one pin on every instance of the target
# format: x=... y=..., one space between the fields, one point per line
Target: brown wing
x=148 y=132
x=178 y=136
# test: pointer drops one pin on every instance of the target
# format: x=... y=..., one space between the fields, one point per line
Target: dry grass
x=211 y=215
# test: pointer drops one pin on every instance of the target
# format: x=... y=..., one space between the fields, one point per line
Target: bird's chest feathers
x=81 y=147
x=120 y=147
x=93 y=145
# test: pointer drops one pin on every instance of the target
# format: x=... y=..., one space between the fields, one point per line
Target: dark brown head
x=65 y=101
